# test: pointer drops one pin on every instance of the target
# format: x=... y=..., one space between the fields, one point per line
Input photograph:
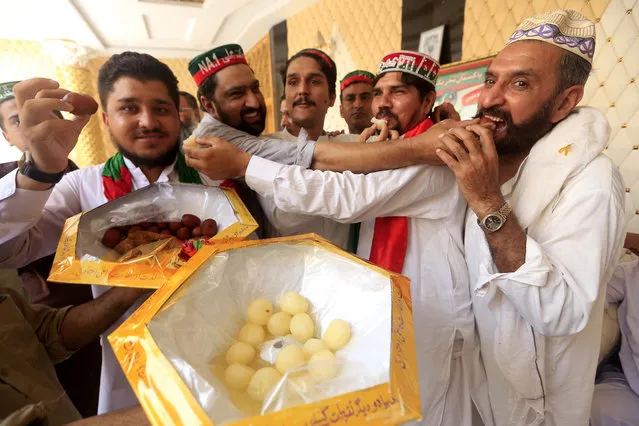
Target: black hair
x=190 y=99
x=573 y=70
x=207 y=89
x=139 y=66
x=324 y=61
x=423 y=87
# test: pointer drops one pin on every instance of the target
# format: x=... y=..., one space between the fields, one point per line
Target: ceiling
x=165 y=28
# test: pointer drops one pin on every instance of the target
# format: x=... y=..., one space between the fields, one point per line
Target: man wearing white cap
x=544 y=225
x=412 y=223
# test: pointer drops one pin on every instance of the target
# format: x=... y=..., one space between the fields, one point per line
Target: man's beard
x=521 y=138
x=162 y=160
x=254 y=129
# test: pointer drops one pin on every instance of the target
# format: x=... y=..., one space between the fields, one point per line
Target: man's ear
x=209 y=106
x=105 y=118
x=429 y=102
x=331 y=100
x=566 y=102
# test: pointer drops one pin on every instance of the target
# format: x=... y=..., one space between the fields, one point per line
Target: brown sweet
x=183 y=233
x=82 y=104
x=124 y=229
x=174 y=226
x=153 y=228
x=111 y=237
x=166 y=232
x=209 y=228
x=135 y=228
x=163 y=225
x=145 y=224
x=196 y=232
x=190 y=221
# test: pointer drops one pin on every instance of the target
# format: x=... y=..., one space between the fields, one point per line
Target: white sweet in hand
x=190 y=141
x=313 y=346
x=252 y=334
x=302 y=327
x=293 y=303
x=289 y=357
x=238 y=376
x=279 y=324
x=262 y=382
x=337 y=334
x=378 y=122
x=240 y=353
x=322 y=366
x=259 y=311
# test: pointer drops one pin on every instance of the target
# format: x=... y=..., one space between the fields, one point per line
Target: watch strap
x=27 y=167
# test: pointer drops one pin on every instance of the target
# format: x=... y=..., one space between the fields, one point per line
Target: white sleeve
x=568 y=258
x=427 y=192
x=31 y=222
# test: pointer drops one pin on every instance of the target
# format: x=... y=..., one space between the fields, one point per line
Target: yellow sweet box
x=170 y=347
x=81 y=258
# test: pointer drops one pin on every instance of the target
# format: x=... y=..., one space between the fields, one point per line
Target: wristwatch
x=27 y=167
x=494 y=221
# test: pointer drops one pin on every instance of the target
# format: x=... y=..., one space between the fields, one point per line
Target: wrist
x=490 y=205
x=246 y=159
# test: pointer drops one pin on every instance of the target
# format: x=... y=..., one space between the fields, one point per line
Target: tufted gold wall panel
x=489 y=23
x=259 y=58
x=367 y=29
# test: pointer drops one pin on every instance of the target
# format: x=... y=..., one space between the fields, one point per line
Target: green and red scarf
x=117 y=179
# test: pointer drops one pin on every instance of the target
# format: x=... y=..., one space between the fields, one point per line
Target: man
x=309 y=79
x=189 y=114
x=34 y=338
x=617 y=388
x=286 y=120
x=356 y=98
x=139 y=97
x=403 y=230
x=539 y=191
x=80 y=374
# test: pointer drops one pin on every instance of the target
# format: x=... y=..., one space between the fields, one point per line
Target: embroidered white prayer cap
x=567 y=29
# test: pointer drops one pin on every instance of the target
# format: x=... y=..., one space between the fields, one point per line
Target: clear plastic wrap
x=187 y=326
x=82 y=258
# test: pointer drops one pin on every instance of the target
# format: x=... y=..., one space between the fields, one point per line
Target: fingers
x=454 y=147
x=394 y=135
x=367 y=133
x=486 y=140
x=383 y=134
x=52 y=93
x=35 y=111
x=437 y=115
x=28 y=89
x=447 y=159
x=468 y=138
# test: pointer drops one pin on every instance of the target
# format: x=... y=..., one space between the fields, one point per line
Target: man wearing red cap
x=356 y=98
x=402 y=229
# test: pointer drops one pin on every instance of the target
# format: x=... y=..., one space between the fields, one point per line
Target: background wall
x=355 y=33
x=612 y=86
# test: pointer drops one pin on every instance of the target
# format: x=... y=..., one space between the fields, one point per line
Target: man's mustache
x=303 y=100
x=386 y=112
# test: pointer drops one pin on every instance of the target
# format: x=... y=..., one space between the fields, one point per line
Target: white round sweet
x=279 y=324
x=289 y=357
x=262 y=382
x=313 y=346
x=302 y=327
x=259 y=311
x=337 y=334
x=321 y=366
x=252 y=334
x=240 y=353
x=238 y=376
x=293 y=303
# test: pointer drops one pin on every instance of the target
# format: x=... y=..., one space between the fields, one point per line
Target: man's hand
x=384 y=134
x=470 y=153
x=217 y=158
x=48 y=138
x=445 y=111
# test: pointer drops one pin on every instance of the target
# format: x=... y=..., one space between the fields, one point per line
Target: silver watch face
x=493 y=222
